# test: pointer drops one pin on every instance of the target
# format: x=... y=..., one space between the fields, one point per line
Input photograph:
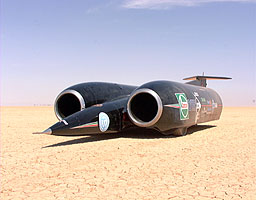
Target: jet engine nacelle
x=167 y=106
x=84 y=95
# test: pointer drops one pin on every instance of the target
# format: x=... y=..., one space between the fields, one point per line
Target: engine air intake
x=144 y=107
x=67 y=103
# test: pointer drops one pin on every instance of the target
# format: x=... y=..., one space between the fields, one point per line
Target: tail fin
x=201 y=80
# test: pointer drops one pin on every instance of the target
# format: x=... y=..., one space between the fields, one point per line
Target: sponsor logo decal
x=183 y=103
x=89 y=125
x=103 y=122
x=196 y=94
x=198 y=106
x=173 y=105
x=203 y=99
x=214 y=105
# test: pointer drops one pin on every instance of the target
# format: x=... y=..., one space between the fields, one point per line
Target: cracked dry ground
x=216 y=161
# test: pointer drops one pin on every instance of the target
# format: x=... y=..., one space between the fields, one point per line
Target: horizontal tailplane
x=201 y=80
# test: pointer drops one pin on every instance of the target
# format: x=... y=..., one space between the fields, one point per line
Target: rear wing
x=201 y=80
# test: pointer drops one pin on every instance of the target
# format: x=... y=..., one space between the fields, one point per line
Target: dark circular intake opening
x=144 y=107
x=68 y=104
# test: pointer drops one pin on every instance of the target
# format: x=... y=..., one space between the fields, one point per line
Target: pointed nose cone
x=47 y=131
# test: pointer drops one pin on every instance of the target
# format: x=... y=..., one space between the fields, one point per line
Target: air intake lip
x=144 y=107
x=77 y=98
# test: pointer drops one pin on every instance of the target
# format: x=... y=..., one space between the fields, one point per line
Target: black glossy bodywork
x=100 y=92
x=204 y=104
x=88 y=118
x=92 y=93
x=166 y=106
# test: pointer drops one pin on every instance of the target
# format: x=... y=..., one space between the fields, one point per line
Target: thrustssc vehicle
x=166 y=106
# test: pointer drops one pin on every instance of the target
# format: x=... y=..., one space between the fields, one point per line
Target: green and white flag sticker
x=183 y=102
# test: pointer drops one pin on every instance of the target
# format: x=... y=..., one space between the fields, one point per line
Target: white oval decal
x=103 y=121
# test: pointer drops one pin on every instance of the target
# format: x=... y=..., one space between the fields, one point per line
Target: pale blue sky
x=48 y=45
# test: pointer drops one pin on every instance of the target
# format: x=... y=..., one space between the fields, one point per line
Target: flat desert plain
x=216 y=160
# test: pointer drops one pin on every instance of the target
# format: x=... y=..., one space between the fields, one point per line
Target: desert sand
x=216 y=160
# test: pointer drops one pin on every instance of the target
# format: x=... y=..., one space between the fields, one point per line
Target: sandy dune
x=216 y=161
